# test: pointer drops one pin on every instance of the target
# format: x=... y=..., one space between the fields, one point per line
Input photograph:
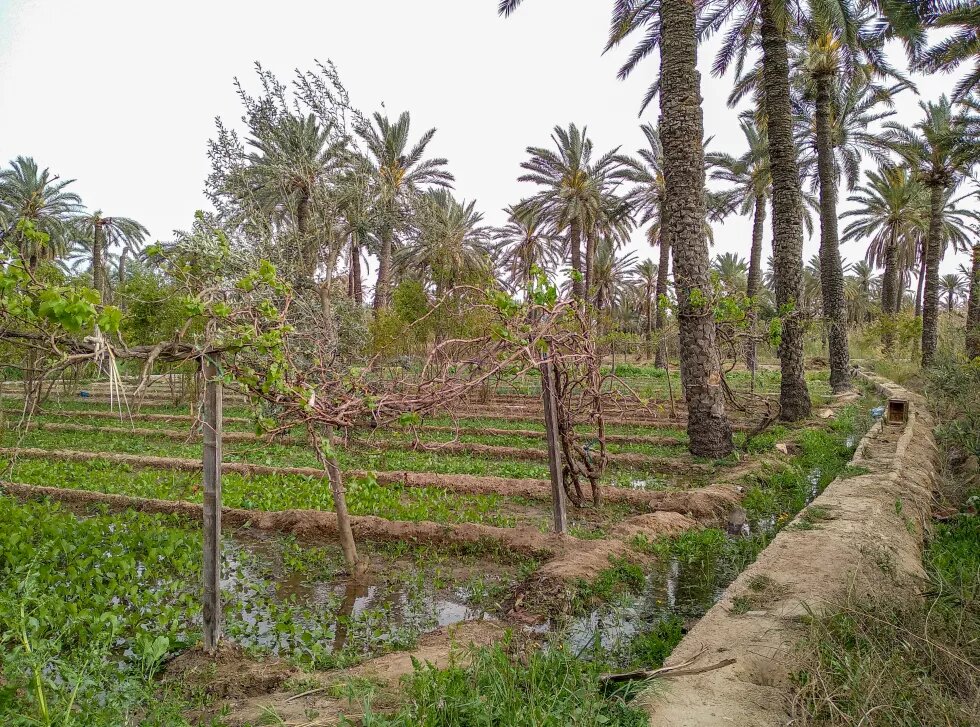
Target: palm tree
x=402 y=172
x=732 y=272
x=889 y=212
x=525 y=243
x=772 y=23
x=356 y=197
x=646 y=173
x=287 y=173
x=941 y=150
x=952 y=286
x=647 y=275
x=103 y=233
x=37 y=215
x=962 y=46
x=451 y=246
x=860 y=287
x=613 y=276
x=670 y=25
x=753 y=186
x=973 y=304
x=574 y=192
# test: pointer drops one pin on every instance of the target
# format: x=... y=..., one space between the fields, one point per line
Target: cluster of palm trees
x=42 y=220
x=818 y=78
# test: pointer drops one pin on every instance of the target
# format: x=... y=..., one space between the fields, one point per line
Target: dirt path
x=860 y=527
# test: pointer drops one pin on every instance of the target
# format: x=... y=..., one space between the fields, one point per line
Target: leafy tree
x=37 y=214
x=940 y=149
x=402 y=172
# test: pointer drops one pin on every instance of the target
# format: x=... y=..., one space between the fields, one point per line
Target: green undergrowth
x=506 y=685
x=265 y=492
x=890 y=658
x=777 y=493
x=91 y=606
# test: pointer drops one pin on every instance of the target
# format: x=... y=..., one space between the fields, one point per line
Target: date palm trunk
x=382 y=291
x=682 y=132
x=589 y=260
x=575 y=246
x=920 y=283
x=754 y=279
x=355 y=287
x=98 y=260
x=973 y=307
x=930 y=302
x=648 y=297
x=787 y=215
x=663 y=273
x=831 y=267
x=889 y=294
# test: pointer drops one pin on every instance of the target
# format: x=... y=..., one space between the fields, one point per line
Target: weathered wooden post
x=212 y=504
x=554 y=448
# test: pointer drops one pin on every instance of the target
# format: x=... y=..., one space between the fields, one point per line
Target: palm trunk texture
x=682 y=132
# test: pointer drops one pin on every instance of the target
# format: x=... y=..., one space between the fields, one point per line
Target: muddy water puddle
x=286 y=599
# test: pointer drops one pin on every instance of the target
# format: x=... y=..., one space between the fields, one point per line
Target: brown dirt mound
x=229 y=674
x=653 y=525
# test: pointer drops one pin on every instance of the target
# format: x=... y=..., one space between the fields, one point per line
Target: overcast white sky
x=122 y=95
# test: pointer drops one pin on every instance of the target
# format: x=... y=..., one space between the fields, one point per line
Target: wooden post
x=554 y=449
x=212 y=504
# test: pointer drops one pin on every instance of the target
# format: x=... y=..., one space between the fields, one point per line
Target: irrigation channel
x=456 y=530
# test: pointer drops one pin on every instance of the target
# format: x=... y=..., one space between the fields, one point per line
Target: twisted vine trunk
x=682 y=229
x=831 y=268
x=787 y=216
x=754 y=279
x=933 y=255
x=661 y=322
x=973 y=307
x=889 y=292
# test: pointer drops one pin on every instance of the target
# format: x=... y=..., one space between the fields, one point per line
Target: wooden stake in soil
x=554 y=448
x=212 y=505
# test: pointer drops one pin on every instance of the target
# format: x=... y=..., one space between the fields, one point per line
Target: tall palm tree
x=889 y=210
x=646 y=173
x=952 y=286
x=671 y=25
x=287 y=175
x=941 y=149
x=102 y=233
x=753 y=186
x=355 y=198
x=973 y=303
x=860 y=287
x=573 y=194
x=962 y=46
x=526 y=242
x=402 y=172
x=769 y=24
x=37 y=214
x=646 y=273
